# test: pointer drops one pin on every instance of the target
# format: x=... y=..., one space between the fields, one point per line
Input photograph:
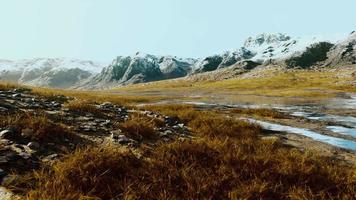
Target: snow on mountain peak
x=265 y=39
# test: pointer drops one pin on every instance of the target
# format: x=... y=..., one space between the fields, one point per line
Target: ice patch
x=339 y=142
x=343 y=130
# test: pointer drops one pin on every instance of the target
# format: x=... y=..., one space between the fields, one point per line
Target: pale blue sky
x=102 y=29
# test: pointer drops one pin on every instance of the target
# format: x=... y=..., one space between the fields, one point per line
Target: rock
x=6 y=142
x=180 y=125
x=106 y=105
x=16 y=95
x=90 y=126
x=26 y=133
x=147 y=112
x=2 y=110
x=50 y=157
x=25 y=155
x=5 y=134
x=3 y=159
x=2 y=173
x=55 y=104
x=33 y=145
x=166 y=133
x=106 y=123
x=122 y=139
x=169 y=121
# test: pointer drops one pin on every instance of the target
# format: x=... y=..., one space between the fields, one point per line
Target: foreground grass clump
x=213 y=125
x=139 y=127
x=37 y=128
x=200 y=169
x=92 y=173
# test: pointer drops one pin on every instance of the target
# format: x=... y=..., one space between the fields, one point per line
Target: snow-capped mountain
x=48 y=72
x=260 y=49
x=139 y=68
x=344 y=52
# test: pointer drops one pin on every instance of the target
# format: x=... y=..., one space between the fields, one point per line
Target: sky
x=100 y=30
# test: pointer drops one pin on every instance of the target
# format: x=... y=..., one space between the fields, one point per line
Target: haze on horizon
x=101 y=30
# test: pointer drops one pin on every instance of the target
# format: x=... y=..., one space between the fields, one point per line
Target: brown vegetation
x=139 y=127
x=260 y=112
x=226 y=160
x=38 y=128
x=198 y=169
x=81 y=106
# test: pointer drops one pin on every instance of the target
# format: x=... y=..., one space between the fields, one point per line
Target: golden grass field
x=281 y=84
x=225 y=158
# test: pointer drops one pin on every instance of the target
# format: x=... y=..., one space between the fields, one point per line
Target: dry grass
x=213 y=125
x=185 y=112
x=8 y=86
x=260 y=112
x=139 y=127
x=302 y=83
x=82 y=107
x=208 y=123
x=97 y=96
x=200 y=169
x=39 y=128
x=226 y=161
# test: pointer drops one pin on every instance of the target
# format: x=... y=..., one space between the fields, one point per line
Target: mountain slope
x=262 y=50
x=48 y=72
x=344 y=52
x=137 y=69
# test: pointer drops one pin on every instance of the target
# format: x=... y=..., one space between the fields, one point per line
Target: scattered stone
x=6 y=142
x=33 y=145
x=2 y=173
x=106 y=123
x=25 y=155
x=180 y=125
x=2 y=109
x=5 y=134
x=169 y=121
x=121 y=139
x=3 y=159
x=16 y=95
x=50 y=157
x=166 y=133
x=106 y=105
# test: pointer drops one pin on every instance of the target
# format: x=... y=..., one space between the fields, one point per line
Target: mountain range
x=262 y=50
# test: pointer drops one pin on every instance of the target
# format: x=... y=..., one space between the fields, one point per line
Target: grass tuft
x=36 y=128
x=139 y=127
x=260 y=112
